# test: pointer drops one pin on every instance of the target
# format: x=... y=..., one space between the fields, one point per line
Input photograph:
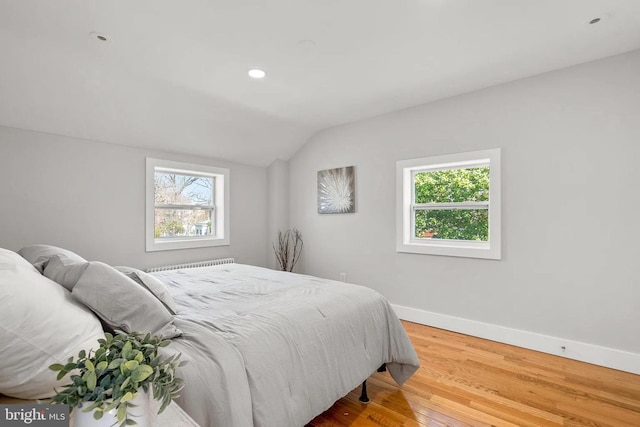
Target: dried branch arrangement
x=288 y=249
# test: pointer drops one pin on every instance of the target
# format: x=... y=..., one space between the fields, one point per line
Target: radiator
x=193 y=264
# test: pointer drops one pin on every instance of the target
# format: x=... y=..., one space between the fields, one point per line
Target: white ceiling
x=174 y=74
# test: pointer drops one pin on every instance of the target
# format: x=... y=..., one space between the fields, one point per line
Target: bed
x=264 y=348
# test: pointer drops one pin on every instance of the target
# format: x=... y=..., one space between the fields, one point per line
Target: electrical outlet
x=343 y=277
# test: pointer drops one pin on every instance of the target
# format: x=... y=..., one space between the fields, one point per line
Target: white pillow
x=40 y=324
x=10 y=259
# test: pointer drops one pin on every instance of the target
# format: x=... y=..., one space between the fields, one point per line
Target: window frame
x=219 y=237
x=406 y=241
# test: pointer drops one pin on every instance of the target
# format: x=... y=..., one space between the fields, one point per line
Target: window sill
x=456 y=249
x=172 y=244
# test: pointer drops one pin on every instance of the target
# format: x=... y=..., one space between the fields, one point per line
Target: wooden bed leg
x=363 y=396
x=382 y=368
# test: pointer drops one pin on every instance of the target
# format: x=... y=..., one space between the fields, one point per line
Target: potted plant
x=110 y=380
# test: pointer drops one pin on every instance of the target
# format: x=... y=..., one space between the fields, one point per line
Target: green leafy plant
x=452 y=185
x=111 y=376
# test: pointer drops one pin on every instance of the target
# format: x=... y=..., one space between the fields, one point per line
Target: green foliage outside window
x=447 y=186
x=168 y=228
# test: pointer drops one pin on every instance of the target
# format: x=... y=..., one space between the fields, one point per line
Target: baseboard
x=603 y=356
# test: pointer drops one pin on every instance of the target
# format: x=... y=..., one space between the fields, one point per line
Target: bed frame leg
x=363 y=396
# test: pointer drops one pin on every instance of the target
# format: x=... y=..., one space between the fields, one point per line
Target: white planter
x=144 y=414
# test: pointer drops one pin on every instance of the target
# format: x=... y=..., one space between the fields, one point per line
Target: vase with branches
x=288 y=249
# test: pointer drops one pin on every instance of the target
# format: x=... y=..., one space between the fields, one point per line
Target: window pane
x=452 y=185
x=455 y=224
x=183 y=222
x=175 y=189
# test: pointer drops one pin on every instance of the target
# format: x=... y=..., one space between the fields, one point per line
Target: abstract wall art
x=336 y=191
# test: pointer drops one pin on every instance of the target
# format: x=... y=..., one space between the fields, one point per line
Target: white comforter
x=269 y=348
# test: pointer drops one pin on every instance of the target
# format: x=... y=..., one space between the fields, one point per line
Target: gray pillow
x=64 y=271
x=121 y=303
x=152 y=284
x=39 y=255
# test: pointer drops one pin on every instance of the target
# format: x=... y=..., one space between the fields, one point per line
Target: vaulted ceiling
x=172 y=75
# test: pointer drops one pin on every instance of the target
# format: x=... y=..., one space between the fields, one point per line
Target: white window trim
x=221 y=235
x=405 y=240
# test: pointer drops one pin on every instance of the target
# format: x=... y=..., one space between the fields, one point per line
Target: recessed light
x=257 y=73
x=595 y=21
x=100 y=37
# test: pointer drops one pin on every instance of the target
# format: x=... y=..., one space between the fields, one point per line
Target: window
x=450 y=205
x=187 y=205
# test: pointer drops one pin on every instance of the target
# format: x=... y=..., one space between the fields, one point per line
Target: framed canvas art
x=336 y=191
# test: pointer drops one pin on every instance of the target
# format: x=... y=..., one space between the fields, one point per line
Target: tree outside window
x=442 y=211
x=183 y=205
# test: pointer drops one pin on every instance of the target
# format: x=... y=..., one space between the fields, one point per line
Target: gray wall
x=88 y=196
x=570 y=149
x=278 y=212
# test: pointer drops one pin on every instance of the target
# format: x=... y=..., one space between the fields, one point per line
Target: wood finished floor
x=466 y=381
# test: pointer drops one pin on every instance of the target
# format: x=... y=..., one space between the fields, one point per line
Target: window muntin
x=187 y=205
x=450 y=205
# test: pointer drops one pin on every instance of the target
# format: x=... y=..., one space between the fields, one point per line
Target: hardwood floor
x=466 y=381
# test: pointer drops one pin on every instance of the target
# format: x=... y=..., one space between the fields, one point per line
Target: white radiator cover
x=192 y=264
